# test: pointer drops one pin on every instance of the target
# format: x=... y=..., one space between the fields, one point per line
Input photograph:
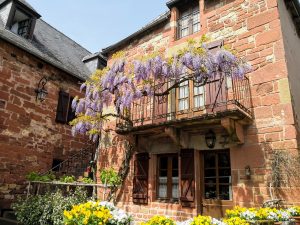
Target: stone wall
x=253 y=28
x=29 y=136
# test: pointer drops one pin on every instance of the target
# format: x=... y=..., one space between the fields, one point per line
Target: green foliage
x=159 y=220
x=87 y=180
x=110 y=176
x=33 y=176
x=47 y=209
x=67 y=179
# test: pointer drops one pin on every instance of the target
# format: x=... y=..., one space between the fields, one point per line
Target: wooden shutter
x=160 y=103
x=140 y=180
x=71 y=112
x=187 y=178
x=215 y=89
x=62 y=107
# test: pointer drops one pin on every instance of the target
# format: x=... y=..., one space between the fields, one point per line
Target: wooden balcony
x=221 y=97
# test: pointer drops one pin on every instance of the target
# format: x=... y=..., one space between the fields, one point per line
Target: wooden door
x=160 y=106
x=216 y=185
x=215 y=89
x=216 y=95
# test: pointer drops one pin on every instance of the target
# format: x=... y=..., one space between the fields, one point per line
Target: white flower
x=273 y=216
x=185 y=222
x=217 y=222
x=247 y=215
x=292 y=211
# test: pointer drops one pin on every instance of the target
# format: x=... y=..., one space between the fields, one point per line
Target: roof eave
x=171 y=3
x=125 y=40
x=43 y=58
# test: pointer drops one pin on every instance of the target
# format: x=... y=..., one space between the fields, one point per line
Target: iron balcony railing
x=219 y=94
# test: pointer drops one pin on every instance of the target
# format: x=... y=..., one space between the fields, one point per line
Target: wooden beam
x=234 y=129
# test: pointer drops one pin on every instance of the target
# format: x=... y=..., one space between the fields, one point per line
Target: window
x=55 y=164
x=64 y=112
x=190 y=96
x=183 y=96
x=189 y=21
x=198 y=96
x=217 y=175
x=21 y=24
x=167 y=182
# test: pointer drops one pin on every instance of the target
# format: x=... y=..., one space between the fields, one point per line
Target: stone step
x=9 y=215
x=5 y=221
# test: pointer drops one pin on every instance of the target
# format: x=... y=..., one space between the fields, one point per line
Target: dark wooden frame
x=217 y=152
x=11 y=16
x=169 y=178
x=70 y=115
x=190 y=10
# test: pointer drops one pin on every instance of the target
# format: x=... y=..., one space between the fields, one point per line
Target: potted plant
x=295 y=213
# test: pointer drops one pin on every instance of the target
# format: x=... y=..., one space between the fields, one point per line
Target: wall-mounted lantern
x=210 y=139
x=248 y=172
x=41 y=92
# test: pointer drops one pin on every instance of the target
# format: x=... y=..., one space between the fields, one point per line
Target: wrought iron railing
x=76 y=164
x=219 y=94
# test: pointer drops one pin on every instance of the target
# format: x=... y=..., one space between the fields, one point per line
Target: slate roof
x=163 y=17
x=51 y=46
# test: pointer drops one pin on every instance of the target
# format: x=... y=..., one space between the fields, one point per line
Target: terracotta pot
x=262 y=222
x=297 y=220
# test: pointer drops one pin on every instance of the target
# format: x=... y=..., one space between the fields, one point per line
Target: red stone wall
x=29 y=136
x=253 y=28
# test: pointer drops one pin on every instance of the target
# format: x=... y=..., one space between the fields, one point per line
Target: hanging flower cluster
x=123 y=83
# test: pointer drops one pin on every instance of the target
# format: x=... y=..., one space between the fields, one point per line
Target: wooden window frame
x=169 y=178
x=70 y=115
x=216 y=152
x=191 y=96
x=191 y=10
x=32 y=18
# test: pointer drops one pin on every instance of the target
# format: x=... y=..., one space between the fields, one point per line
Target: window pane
x=210 y=160
x=198 y=101
x=225 y=192
x=224 y=172
x=175 y=187
x=183 y=104
x=224 y=179
x=210 y=191
x=163 y=163
x=196 y=27
x=217 y=176
x=210 y=172
x=224 y=159
x=162 y=187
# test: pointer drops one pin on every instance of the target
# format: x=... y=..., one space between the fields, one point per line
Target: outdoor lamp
x=248 y=172
x=210 y=139
x=41 y=92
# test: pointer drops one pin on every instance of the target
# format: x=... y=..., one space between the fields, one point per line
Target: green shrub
x=110 y=177
x=67 y=179
x=87 y=180
x=47 y=209
x=33 y=176
x=159 y=220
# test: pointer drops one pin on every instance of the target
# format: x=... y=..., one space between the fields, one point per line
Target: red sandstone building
x=206 y=149
x=35 y=57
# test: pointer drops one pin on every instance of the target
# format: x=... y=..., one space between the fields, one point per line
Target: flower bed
x=106 y=213
x=95 y=213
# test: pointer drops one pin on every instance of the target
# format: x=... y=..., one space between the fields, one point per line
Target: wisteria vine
x=111 y=91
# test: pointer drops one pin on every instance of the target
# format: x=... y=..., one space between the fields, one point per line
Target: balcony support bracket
x=234 y=129
x=180 y=139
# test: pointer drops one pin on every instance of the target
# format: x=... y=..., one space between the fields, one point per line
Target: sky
x=96 y=24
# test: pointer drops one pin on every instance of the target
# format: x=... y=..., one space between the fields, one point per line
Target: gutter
x=51 y=62
x=156 y=22
x=296 y=4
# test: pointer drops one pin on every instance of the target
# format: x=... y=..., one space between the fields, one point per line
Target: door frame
x=199 y=182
